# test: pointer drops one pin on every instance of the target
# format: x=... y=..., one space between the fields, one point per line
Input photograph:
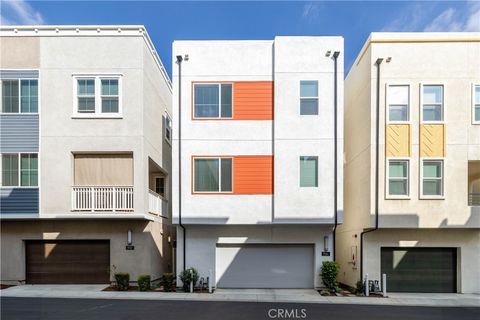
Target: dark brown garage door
x=68 y=262
x=420 y=269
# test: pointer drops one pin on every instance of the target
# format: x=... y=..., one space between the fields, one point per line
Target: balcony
x=474 y=183
x=157 y=204
x=102 y=198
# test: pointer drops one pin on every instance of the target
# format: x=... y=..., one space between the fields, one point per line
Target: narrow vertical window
x=432 y=109
x=109 y=95
x=308 y=171
x=309 y=97
x=168 y=128
x=160 y=185
x=476 y=104
x=432 y=179
x=86 y=95
x=29 y=96
x=10 y=96
x=29 y=170
x=398 y=103
x=9 y=170
x=398 y=178
x=226 y=174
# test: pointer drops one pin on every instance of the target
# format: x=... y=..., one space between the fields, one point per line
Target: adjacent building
x=85 y=149
x=258 y=186
x=412 y=163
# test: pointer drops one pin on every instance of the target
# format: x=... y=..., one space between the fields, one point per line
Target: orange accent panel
x=253 y=175
x=253 y=100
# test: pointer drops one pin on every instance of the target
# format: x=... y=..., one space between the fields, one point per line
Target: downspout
x=377 y=161
x=179 y=62
x=335 y=200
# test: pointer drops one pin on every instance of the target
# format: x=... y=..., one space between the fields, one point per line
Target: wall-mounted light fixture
x=325 y=243
x=129 y=237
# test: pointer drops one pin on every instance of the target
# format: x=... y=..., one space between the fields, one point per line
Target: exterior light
x=325 y=243
x=328 y=53
x=129 y=237
x=388 y=59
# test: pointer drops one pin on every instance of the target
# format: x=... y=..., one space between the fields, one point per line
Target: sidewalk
x=243 y=295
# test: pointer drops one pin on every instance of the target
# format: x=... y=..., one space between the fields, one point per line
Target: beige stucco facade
x=451 y=60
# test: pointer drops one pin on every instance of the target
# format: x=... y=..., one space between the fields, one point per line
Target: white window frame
x=409 y=106
x=387 y=180
x=475 y=122
x=20 y=95
x=312 y=97
x=98 y=96
x=19 y=155
x=300 y=172
x=219 y=174
x=219 y=84
x=168 y=128
x=432 y=197
x=443 y=102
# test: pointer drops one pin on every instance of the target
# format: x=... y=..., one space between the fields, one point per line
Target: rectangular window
x=398 y=184
x=29 y=170
x=398 y=103
x=9 y=170
x=432 y=179
x=109 y=95
x=309 y=171
x=168 y=128
x=309 y=97
x=213 y=174
x=29 y=96
x=476 y=104
x=10 y=96
x=432 y=108
x=213 y=100
x=97 y=96
x=160 y=185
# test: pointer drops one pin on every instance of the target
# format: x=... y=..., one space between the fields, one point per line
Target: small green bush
x=188 y=277
x=168 y=282
x=329 y=274
x=122 y=279
x=143 y=282
x=360 y=288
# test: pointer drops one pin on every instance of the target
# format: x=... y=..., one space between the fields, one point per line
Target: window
x=432 y=178
x=160 y=185
x=20 y=170
x=432 y=109
x=213 y=174
x=476 y=104
x=309 y=171
x=168 y=128
x=309 y=97
x=398 y=103
x=109 y=95
x=398 y=178
x=213 y=100
x=97 y=96
x=20 y=96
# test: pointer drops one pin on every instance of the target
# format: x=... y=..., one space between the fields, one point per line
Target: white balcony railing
x=156 y=204
x=474 y=199
x=102 y=198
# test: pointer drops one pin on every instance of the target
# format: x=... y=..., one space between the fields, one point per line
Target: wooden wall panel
x=398 y=140
x=432 y=140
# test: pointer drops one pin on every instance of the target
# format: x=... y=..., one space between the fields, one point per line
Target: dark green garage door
x=420 y=269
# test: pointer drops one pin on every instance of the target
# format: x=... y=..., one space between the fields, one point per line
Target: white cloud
x=418 y=17
x=311 y=12
x=19 y=12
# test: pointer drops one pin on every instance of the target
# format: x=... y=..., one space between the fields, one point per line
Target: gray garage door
x=420 y=269
x=264 y=266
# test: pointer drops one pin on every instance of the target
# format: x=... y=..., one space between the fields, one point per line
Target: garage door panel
x=265 y=266
x=419 y=269
x=64 y=262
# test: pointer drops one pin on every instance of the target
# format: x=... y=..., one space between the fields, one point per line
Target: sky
x=228 y=20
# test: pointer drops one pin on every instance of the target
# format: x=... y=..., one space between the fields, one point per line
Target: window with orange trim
x=212 y=175
x=213 y=100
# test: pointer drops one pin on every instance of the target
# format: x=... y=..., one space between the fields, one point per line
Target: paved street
x=76 y=309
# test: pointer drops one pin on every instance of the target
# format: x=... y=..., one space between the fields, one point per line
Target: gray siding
x=19 y=133
x=18 y=74
x=18 y=200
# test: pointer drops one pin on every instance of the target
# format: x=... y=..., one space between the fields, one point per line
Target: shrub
x=168 y=281
x=122 y=279
x=360 y=288
x=143 y=282
x=188 y=277
x=329 y=274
